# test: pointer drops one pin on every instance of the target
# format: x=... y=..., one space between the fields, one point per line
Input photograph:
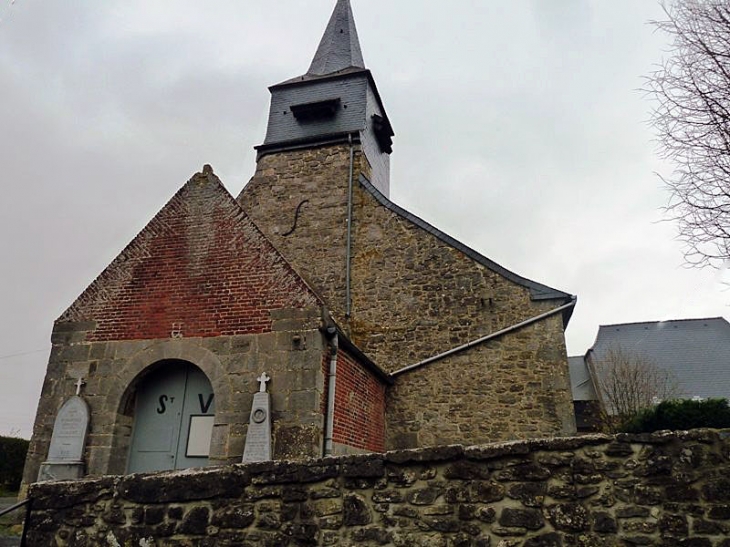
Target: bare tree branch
x=627 y=383
x=692 y=122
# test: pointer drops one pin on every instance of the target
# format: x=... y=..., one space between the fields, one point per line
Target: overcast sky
x=519 y=131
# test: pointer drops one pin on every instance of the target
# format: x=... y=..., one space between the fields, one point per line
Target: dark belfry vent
x=383 y=133
x=317 y=110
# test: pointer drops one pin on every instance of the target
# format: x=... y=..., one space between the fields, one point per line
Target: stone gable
x=415 y=295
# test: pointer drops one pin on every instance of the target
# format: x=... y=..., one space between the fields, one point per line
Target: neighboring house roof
x=581 y=384
x=695 y=351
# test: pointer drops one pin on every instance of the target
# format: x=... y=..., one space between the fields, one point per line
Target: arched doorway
x=173 y=419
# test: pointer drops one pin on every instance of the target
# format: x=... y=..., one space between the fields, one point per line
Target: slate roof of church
x=538 y=291
x=340 y=46
x=339 y=52
x=695 y=351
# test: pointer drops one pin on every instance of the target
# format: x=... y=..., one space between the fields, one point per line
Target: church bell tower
x=335 y=101
x=326 y=129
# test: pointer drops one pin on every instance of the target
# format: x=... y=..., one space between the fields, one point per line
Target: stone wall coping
x=71 y=326
x=194 y=484
x=649 y=489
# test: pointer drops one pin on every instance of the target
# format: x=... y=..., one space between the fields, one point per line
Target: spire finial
x=340 y=46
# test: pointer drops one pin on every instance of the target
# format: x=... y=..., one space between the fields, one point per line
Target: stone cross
x=262 y=382
x=80 y=382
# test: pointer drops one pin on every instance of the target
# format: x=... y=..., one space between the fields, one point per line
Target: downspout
x=349 y=227
x=329 y=425
x=483 y=339
x=593 y=378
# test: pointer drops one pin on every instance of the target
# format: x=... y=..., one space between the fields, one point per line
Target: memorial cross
x=80 y=382
x=262 y=382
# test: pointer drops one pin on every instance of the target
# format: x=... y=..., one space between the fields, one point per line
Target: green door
x=173 y=419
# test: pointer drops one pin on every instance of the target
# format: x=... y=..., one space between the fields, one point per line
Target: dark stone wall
x=414 y=296
x=664 y=489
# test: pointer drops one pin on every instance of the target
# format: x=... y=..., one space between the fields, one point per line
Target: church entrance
x=173 y=419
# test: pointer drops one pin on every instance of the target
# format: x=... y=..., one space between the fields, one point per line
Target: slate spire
x=340 y=46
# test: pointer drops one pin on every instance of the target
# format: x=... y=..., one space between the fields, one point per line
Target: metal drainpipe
x=349 y=227
x=331 y=385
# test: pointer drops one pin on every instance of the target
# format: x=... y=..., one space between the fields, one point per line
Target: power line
x=2 y=357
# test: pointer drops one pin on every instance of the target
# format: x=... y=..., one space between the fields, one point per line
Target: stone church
x=376 y=330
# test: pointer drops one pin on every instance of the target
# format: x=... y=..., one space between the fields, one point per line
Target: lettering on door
x=174 y=416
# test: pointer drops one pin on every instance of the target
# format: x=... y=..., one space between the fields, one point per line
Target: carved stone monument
x=66 y=453
x=258 y=439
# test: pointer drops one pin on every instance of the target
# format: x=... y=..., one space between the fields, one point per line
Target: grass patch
x=10 y=530
x=5 y=493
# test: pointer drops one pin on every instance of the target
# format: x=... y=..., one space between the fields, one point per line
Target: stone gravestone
x=258 y=438
x=66 y=454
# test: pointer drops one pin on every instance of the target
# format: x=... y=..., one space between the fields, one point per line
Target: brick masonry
x=200 y=268
x=666 y=489
x=359 y=406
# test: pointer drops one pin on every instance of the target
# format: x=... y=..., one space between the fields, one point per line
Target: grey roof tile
x=695 y=351
x=340 y=47
x=580 y=380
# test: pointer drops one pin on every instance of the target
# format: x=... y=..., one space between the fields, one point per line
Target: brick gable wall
x=200 y=268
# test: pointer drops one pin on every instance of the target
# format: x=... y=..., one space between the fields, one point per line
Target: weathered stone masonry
x=199 y=284
x=414 y=296
x=310 y=267
x=666 y=489
x=509 y=388
x=299 y=201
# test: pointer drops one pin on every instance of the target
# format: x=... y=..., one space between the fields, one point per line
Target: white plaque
x=201 y=429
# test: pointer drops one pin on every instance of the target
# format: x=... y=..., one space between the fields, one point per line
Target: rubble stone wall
x=513 y=387
x=299 y=201
x=595 y=491
x=414 y=296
